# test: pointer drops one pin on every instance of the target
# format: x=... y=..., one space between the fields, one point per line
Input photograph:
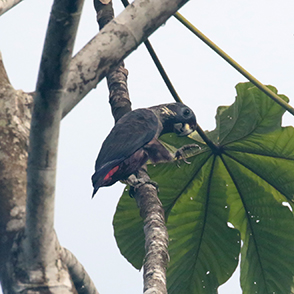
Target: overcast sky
x=258 y=34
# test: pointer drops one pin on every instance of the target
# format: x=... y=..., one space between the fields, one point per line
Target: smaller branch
x=233 y=63
x=79 y=276
x=118 y=92
x=156 y=237
x=117 y=79
x=7 y=4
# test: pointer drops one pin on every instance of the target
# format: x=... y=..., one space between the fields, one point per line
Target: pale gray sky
x=258 y=34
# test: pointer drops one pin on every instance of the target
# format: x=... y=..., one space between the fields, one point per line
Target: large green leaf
x=245 y=185
x=204 y=250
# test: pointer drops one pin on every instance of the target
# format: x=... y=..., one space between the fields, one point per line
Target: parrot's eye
x=186 y=112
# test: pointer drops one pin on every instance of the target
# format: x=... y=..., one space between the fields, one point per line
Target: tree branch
x=156 y=236
x=117 y=79
x=114 y=43
x=7 y=4
x=40 y=245
x=80 y=277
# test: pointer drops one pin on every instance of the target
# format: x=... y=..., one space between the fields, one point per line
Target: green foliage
x=244 y=187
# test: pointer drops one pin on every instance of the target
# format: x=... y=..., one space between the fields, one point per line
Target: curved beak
x=183 y=129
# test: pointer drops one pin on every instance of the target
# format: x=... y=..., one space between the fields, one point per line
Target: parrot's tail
x=94 y=192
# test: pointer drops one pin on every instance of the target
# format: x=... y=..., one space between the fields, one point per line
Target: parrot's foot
x=180 y=154
x=136 y=183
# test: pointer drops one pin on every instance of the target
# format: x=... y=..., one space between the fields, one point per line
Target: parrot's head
x=177 y=118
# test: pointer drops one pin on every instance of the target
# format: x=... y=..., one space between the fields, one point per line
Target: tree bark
x=79 y=276
x=117 y=79
x=156 y=237
x=15 y=117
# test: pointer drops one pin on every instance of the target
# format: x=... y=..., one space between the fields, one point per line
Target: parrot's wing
x=131 y=132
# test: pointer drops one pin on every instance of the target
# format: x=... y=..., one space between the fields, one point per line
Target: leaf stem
x=215 y=148
x=162 y=72
x=233 y=63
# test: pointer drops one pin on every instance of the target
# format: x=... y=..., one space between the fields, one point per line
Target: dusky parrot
x=134 y=140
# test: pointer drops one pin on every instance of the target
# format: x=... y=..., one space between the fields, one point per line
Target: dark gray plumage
x=133 y=140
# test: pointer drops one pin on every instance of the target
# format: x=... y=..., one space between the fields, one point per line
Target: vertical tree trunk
x=34 y=264
x=15 y=117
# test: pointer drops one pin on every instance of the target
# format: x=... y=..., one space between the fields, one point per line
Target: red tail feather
x=111 y=173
